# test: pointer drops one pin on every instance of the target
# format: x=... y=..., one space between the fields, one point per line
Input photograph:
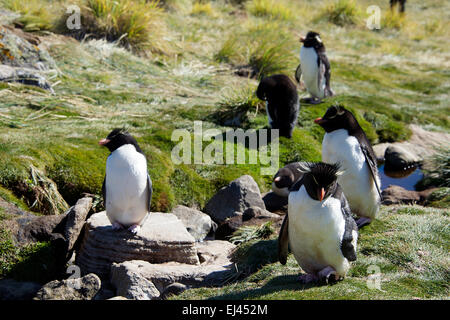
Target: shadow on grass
x=280 y=283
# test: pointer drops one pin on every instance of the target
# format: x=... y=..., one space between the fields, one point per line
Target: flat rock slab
x=214 y=269
x=162 y=238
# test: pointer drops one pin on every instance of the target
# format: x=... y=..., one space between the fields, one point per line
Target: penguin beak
x=302 y=39
x=319 y=121
x=321 y=194
x=103 y=142
x=277 y=179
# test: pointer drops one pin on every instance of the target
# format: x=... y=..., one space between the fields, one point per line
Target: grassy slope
x=408 y=246
x=389 y=77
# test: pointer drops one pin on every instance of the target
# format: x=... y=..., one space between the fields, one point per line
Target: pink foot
x=117 y=226
x=134 y=229
x=328 y=275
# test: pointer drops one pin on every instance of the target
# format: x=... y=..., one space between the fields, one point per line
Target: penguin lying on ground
x=345 y=142
x=282 y=104
x=127 y=187
x=285 y=178
x=315 y=68
x=319 y=228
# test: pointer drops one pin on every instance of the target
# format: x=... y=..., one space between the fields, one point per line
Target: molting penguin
x=127 y=187
x=285 y=178
x=319 y=228
x=282 y=104
x=345 y=142
x=315 y=68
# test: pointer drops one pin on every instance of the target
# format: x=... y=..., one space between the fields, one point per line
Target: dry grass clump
x=341 y=13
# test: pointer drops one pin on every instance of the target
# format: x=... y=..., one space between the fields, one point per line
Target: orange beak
x=321 y=195
x=302 y=39
x=318 y=120
x=103 y=142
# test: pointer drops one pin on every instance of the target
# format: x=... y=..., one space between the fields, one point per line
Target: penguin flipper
x=149 y=193
x=298 y=73
x=372 y=162
x=283 y=241
x=347 y=248
x=325 y=67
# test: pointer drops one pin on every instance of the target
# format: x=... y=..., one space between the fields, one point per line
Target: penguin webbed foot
x=362 y=222
x=328 y=276
x=134 y=229
x=117 y=226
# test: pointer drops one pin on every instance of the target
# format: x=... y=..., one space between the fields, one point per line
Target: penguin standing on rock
x=315 y=68
x=285 y=178
x=282 y=104
x=319 y=228
x=345 y=142
x=127 y=187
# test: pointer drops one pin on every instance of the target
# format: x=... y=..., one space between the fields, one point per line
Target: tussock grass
x=236 y=105
x=36 y=15
x=267 y=48
x=137 y=25
x=199 y=8
x=269 y=8
x=437 y=171
x=341 y=13
x=248 y=233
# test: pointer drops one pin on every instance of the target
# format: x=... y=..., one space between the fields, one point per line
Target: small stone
x=84 y=288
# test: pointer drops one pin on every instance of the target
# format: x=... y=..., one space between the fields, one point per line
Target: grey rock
x=75 y=219
x=197 y=223
x=24 y=76
x=239 y=195
x=258 y=213
x=132 y=285
x=173 y=289
x=17 y=290
x=399 y=157
x=398 y=195
x=162 y=238
x=214 y=269
x=84 y=288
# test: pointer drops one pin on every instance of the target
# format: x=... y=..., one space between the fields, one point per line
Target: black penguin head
x=337 y=117
x=320 y=179
x=313 y=40
x=275 y=87
x=117 y=138
x=284 y=178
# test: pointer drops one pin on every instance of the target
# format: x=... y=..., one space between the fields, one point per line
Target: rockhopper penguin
x=345 y=142
x=127 y=187
x=319 y=228
x=315 y=68
x=282 y=104
x=285 y=178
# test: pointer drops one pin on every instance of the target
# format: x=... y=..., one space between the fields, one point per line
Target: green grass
x=188 y=75
x=341 y=12
x=409 y=250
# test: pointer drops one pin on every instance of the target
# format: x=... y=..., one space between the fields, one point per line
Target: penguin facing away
x=282 y=104
x=319 y=228
x=285 y=178
x=314 y=68
x=345 y=142
x=127 y=187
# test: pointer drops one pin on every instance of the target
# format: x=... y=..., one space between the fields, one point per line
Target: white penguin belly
x=310 y=72
x=126 y=186
x=356 y=181
x=315 y=233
